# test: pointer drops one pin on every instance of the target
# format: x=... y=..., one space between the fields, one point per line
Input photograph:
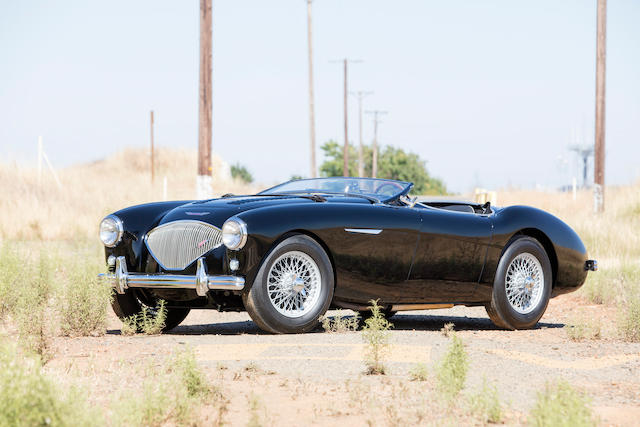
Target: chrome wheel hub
x=524 y=283
x=294 y=283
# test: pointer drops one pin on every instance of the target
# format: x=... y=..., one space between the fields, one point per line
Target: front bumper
x=202 y=283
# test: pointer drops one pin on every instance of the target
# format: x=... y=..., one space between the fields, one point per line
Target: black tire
x=129 y=304
x=258 y=303
x=501 y=312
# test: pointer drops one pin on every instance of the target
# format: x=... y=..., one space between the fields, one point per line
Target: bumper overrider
x=202 y=283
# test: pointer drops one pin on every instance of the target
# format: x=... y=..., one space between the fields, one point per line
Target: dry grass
x=90 y=191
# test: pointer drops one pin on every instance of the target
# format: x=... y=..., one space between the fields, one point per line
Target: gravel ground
x=519 y=363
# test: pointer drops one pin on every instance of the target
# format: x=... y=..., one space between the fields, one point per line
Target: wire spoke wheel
x=524 y=283
x=294 y=283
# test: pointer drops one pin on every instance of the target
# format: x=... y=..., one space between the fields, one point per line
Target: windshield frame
x=407 y=186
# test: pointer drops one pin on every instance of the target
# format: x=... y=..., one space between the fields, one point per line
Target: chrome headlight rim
x=119 y=226
x=241 y=231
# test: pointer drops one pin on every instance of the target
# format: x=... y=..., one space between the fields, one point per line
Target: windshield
x=380 y=189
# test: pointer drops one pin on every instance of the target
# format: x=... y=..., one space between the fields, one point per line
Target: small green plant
x=194 y=380
x=583 y=328
x=447 y=329
x=561 y=405
x=419 y=372
x=340 y=324
x=254 y=407
x=11 y=277
x=485 y=404
x=451 y=372
x=629 y=322
x=129 y=325
x=83 y=306
x=148 y=321
x=375 y=335
x=29 y=398
x=152 y=323
x=34 y=310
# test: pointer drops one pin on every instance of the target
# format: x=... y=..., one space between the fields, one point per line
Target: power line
x=376 y=120
x=345 y=154
x=360 y=94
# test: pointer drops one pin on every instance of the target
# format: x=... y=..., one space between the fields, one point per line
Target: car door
x=450 y=255
x=373 y=251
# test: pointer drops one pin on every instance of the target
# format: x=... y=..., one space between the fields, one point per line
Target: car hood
x=217 y=211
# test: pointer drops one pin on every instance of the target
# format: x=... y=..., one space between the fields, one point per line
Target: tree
x=393 y=163
x=240 y=172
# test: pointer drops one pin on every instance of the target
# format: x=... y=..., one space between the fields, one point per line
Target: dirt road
x=318 y=377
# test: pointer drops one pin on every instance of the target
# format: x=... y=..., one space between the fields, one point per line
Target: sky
x=489 y=93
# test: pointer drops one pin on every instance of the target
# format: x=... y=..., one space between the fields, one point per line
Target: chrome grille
x=177 y=244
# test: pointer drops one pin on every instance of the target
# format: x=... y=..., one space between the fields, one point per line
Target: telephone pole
x=345 y=154
x=152 y=161
x=360 y=95
x=312 y=119
x=601 y=57
x=203 y=181
x=376 y=120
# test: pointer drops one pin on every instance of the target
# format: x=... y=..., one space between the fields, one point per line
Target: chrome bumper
x=121 y=280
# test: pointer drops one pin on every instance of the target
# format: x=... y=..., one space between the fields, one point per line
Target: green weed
x=629 y=322
x=485 y=404
x=375 y=335
x=340 y=324
x=561 y=405
x=451 y=372
x=419 y=372
x=29 y=398
x=84 y=302
x=582 y=328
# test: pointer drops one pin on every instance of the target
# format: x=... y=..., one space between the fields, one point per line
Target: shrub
x=191 y=376
x=452 y=371
x=340 y=324
x=629 y=322
x=148 y=321
x=34 y=311
x=376 y=337
x=561 y=405
x=29 y=398
x=170 y=396
x=152 y=323
x=242 y=173
x=419 y=372
x=129 y=325
x=84 y=302
x=11 y=276
x=486 y=404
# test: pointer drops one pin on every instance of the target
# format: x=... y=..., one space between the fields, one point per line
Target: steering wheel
x=393 y=185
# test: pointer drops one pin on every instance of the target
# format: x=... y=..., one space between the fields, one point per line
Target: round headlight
x=111 y=231
x=234 y=233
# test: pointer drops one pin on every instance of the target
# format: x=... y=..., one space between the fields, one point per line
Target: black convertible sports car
x=291 y=252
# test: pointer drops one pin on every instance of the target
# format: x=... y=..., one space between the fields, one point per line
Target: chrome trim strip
x=121 y=280
x=363 y=230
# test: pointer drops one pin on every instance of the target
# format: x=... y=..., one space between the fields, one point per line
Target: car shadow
x=401 y=322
